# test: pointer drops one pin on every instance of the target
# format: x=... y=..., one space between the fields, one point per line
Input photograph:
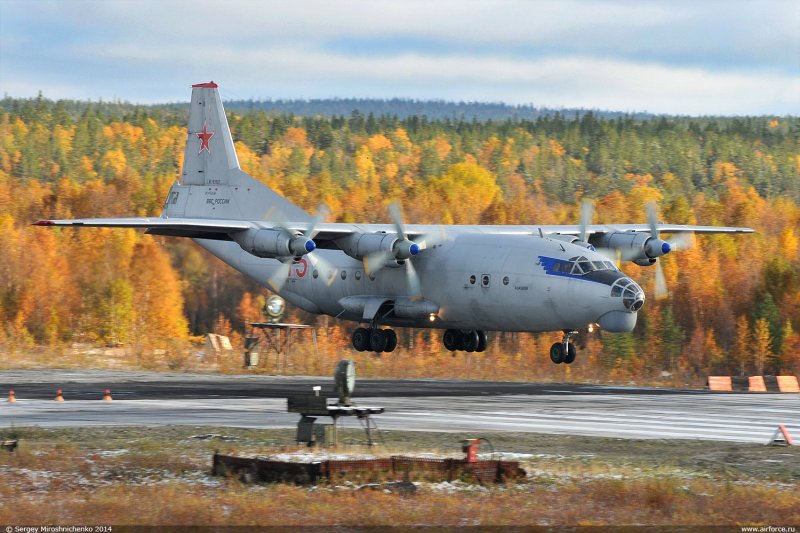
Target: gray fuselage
x=478 y=281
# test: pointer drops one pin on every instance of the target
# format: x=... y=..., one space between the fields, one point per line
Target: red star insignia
x=204 y=137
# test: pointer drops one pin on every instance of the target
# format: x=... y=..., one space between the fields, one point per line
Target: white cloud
x=733 y=57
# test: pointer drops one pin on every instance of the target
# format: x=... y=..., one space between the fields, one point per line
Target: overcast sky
x=694 y=57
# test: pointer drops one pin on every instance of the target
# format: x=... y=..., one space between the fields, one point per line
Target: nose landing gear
x=564 y=351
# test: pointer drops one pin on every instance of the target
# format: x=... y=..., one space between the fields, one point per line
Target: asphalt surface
x=90 y=384
x=470 y=408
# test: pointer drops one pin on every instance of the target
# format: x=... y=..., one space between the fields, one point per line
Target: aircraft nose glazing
x=632 y=295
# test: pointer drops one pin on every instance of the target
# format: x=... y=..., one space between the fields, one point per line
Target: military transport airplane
x=463 y=279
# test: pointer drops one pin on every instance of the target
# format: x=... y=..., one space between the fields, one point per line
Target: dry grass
x=160 y=476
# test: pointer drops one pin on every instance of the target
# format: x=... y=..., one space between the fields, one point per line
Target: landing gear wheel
x=483 y=341
x=557 y=353
x=361 y=339
x=470 y=340
x=391 y=340
x=451 y=339
x=569 y=358
x=378 y=340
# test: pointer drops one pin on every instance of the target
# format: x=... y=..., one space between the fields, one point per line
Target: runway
x=418 y=405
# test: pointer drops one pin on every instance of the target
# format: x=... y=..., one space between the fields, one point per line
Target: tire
x=450 y=339
x=470 y=340
x=569 y=358
x=557 y=353
x=483 y=341
x=361 y=339
x=378 y=340
x=391 y=340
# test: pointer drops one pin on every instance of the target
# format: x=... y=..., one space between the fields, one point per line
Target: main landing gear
x=564 y=351
x=468 y=341
x=374 y=340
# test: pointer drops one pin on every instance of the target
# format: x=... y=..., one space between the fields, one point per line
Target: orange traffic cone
x=11 y=397
x=59 y=397
x=108 y=397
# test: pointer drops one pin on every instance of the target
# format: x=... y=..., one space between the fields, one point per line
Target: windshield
x=582 y=265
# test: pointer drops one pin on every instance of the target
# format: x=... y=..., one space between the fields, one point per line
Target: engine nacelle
x=360 y=245
x=273 y=243
x=635 y=246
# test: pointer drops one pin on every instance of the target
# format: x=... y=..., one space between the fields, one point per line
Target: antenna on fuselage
x=541 y=233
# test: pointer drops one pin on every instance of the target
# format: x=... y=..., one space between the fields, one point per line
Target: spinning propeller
x=654 y=248
x=328 y=272
x=681 y=241
x=403 y=249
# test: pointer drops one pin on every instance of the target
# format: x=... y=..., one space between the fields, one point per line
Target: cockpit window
x=581 y=265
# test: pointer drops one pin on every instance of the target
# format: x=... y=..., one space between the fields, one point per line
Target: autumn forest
x=734 y=301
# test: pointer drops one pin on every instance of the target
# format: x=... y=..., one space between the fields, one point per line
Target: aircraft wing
x=201 y=228
x=334 y=231
x=220 y=229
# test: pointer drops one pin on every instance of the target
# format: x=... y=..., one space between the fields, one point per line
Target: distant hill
x=403 y=108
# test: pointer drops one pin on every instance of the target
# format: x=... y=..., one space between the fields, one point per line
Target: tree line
x=734 y=301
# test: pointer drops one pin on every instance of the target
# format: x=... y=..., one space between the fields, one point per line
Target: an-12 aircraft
x=463 y=279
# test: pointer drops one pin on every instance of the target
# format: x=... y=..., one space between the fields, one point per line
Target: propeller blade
x=587 y=212
x=396 y=213
x=376 y=261
x=617 y=255
x=661 y=282
x=414 y=287
x=321 y=216
x=681 y=241
x=326 y=270
x=652 y=218
x=431 y=239
x=278 y=279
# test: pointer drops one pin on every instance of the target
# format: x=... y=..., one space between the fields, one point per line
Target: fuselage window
x=315 y=273
x=472 y=279
x=344 y=274
x=358 y=274
x=505 y=280
x=616 y=290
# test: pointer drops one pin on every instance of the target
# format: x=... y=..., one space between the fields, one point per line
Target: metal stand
x=274 y=340
x=310 y=407
x=369 y=424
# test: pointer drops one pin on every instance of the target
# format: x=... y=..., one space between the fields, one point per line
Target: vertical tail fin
x=209 y=156
x=212 y=183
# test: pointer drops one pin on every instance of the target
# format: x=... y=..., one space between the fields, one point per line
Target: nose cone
x=632 y=295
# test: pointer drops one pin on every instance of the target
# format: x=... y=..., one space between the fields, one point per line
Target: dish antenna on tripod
x=344 y=378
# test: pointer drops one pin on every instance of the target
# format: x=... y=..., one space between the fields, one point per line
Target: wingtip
x=44 y=223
